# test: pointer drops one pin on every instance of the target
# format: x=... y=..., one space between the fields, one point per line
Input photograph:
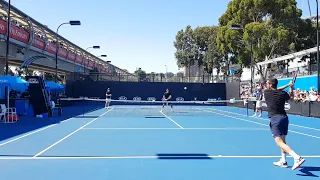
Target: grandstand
x=28 y=35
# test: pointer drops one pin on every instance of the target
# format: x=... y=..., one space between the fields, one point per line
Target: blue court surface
x=141 y=143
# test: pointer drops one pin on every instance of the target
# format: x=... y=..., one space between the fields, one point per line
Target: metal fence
x=289 y=72
x=205 y=78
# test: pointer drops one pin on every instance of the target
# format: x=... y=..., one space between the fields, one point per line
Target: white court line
x=317 y=137
x=71 y=134
x=33 y=132
x=134 y=157
x=306 y=127
x=245 y=129
x=171 y=120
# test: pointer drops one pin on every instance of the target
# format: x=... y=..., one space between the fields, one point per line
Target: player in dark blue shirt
x=167 y=97
x=275 y=99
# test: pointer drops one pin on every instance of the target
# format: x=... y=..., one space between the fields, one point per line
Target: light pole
x=84 y=66
x=8 y=36
x=93 y=47
x=318 y=68
x=166 y=73
x=103 y=55
x=238 y=27
x=72 y=23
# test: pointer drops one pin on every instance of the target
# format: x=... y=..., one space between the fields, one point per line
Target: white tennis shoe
x=281 y=164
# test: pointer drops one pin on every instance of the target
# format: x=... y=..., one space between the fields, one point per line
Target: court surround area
x=137 y=141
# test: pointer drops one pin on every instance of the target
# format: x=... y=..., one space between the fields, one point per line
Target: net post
x=247 y=106
x=82 y=107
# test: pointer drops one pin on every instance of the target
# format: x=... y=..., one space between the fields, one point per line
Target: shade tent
x=13 y=82
x=3 y=84
x=52 y=87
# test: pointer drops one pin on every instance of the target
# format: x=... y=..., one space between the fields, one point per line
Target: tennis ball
x=232 y=100
x=185 y=88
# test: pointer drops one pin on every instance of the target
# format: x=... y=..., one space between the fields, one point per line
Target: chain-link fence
x=206 y=78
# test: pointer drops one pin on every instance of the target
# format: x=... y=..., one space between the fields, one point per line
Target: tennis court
x=137 y=141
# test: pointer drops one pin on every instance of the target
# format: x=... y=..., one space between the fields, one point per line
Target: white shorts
x=108 y=100
x=259 y=104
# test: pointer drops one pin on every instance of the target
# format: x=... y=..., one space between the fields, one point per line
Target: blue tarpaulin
x=52 y=87
x=14 y=82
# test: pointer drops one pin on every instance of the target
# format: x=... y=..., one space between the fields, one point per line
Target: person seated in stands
x=25 y=94
x=318 y=97
x=14 y=93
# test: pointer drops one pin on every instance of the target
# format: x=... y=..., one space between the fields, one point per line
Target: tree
x=273 y=28
x=169 y=74
x=141 y=73
x=186 y=48
x=206 y=42
x=180 y=74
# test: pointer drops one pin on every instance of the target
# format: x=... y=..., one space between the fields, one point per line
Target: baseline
x=133 y=157
x=231 y=128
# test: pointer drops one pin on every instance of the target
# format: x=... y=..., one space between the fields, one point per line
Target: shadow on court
x=183 y=156
x=307 y=171
x=28 y=124
x=159 y=156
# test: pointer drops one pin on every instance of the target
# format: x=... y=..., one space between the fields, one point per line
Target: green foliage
x=141 y=73
x=170 y=75
x=198 y=45
x=273 y=27
x=187 y=50
x=270 y=28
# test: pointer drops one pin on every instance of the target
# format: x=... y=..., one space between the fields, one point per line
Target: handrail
x=22 y=14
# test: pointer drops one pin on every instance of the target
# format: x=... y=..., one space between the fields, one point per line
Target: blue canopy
x=52 y=86
x=14 y=82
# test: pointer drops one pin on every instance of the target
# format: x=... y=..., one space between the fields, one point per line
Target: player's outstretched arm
x=286 y=86
x=291 y=94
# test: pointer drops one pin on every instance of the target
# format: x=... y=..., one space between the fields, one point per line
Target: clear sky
x=133 y=33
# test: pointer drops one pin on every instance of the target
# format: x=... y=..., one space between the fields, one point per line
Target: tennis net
x=121 y=108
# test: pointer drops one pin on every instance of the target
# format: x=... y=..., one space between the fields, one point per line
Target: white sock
x=283 y=157
x=294 y=155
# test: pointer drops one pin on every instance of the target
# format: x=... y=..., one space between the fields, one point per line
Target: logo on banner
x=179 y=99
x=137 y=98
x=33 y=81
x=122 y=98
x=151 y=98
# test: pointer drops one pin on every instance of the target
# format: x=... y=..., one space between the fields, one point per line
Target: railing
x=286 y=73
x=309 y=109
x=97 y=76
x=27 y=32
